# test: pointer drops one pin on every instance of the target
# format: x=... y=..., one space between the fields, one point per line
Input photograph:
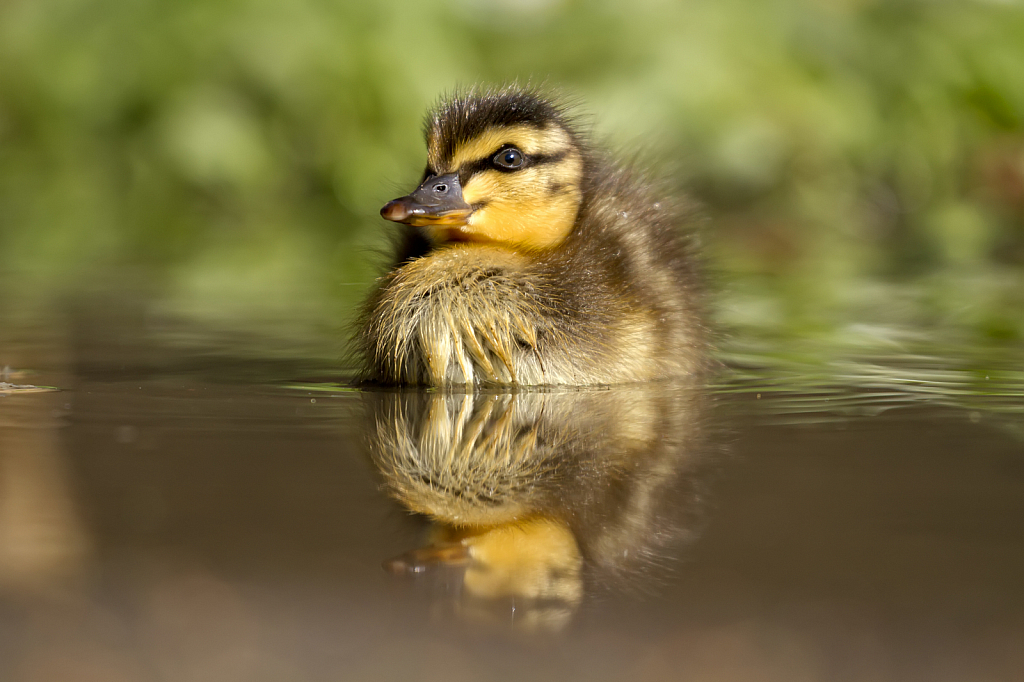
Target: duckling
x=529 y=258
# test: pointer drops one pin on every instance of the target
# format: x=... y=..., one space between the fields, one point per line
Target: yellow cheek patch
x=491 y=183
x=535 y=226
x=534 y=208
x=529 y=140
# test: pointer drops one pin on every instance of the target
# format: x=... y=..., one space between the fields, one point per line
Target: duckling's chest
x=462 y=316
x=484 y=315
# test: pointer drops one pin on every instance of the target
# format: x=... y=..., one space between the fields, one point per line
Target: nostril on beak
x=395 y=211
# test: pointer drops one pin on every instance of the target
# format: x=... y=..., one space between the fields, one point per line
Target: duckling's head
x=504 y=167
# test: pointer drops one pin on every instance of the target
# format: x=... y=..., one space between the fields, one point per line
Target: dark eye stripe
x=470 y=169
x=549 y=158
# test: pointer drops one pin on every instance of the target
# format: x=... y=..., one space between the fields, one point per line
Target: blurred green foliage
x=861 y=161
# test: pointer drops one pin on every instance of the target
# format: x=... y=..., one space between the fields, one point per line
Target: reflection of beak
x=438 y=201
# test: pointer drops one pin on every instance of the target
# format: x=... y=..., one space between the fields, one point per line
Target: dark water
x=173 y=517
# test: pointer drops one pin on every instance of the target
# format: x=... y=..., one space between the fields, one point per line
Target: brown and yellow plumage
x=530 y=259
x=545 y=496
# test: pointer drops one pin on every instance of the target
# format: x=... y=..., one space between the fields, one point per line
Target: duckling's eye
x=508 y=158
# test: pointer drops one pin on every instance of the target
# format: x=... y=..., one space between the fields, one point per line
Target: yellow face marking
x=529 y=140
x=535 y=208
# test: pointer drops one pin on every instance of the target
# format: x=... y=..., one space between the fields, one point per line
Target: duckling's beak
x=438 y=201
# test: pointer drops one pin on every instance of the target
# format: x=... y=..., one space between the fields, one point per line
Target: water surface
x=174 y=516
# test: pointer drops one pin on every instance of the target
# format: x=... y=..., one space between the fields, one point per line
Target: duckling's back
x=633 y=264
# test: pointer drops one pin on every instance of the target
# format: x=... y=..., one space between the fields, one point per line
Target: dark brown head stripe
x=464 y=117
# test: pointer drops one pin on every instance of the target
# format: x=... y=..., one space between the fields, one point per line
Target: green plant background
x=860 y=163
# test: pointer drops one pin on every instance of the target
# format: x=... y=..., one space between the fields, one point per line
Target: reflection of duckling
x=530 y=259
x=543 y=497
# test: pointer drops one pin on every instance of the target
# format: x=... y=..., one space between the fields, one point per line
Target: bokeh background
x=859 y=163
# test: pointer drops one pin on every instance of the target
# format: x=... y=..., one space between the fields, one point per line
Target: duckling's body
x=537 y=262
